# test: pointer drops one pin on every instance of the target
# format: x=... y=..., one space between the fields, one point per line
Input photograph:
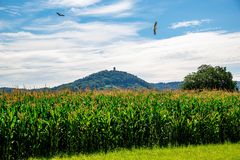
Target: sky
x=38 y=48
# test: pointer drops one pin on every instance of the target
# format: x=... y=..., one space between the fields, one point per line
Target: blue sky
x=39 y=48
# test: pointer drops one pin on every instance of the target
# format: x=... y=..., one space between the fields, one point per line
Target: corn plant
x=49 y=123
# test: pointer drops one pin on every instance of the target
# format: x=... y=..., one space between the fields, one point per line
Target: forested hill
x=107 y=80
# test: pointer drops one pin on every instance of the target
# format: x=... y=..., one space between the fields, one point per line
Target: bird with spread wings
x=155 y=28
x=59 y=14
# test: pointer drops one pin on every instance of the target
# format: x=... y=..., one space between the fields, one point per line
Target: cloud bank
x=38 y=48
x=48 y=60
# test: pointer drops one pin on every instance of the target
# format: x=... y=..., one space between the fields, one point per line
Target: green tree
x=209 y=77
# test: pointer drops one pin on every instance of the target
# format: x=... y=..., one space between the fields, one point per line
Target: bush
x=208 y=77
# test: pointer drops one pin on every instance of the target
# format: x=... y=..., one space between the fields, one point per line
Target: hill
x=9 y=90
x=169 y=85
x=6 y=89
x=107 y=80
x=176 y=85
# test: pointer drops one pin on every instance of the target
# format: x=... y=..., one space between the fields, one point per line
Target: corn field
x=45 y=123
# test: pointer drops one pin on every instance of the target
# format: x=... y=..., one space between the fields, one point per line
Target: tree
x=209 y=77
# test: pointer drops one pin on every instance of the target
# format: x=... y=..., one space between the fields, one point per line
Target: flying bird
x=59 y=14
x=155 y=28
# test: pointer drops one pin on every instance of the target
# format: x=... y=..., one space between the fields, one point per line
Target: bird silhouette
x=59 y=14
x=155 y=28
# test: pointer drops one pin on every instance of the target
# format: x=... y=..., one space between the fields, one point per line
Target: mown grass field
x=203 y=152
x=46 y=124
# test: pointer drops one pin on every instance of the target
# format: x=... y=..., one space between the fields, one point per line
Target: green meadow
x=203 y=152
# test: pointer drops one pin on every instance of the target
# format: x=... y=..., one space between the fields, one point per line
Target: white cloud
x=48 y=57
x=71 y=25
x=40 y=5
x=71 y=3
x=236 y=77
x=120 y=9
x=94 y=32
x=39 y=60
x=189 y=23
